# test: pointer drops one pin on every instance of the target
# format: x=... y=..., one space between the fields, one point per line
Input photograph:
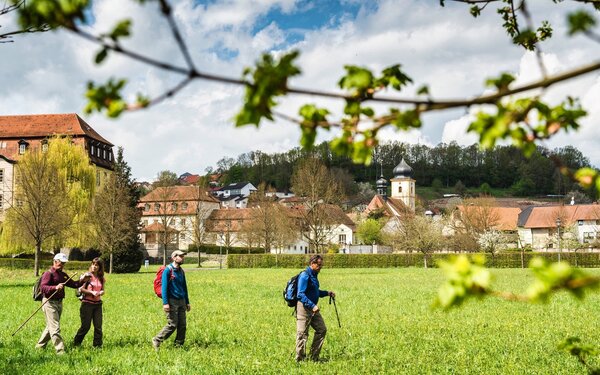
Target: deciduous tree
x=52 y=198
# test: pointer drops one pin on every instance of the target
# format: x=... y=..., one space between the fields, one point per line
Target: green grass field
x=239 y=324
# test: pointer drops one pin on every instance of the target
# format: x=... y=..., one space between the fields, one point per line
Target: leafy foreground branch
x=522 y=120
x=468 y=279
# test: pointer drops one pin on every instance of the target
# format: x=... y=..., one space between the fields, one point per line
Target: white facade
x=6 y=186
x=403 y=188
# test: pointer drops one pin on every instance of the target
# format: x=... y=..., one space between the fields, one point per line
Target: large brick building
x=19 y=133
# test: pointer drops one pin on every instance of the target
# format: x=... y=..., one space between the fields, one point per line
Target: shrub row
x=502 y=260
x=216 y=249
x=15 y=263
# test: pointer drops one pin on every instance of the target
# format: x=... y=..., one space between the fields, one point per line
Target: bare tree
x=417 y=233
x=202 y=211
x=165 y=206
x=313 y=181
x=116 y=221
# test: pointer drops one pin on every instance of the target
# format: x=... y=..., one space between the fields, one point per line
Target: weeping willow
x=52 y=199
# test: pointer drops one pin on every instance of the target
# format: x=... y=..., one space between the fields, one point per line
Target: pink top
x=96 y=286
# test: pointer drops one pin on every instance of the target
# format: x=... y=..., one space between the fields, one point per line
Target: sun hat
x=61 y=257
x=176 y=253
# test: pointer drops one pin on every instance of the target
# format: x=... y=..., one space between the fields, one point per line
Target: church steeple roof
x=402 y=170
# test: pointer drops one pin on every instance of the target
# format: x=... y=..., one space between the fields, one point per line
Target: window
x=19 y=203
x=156 y=206
x=147 y=207
x=342 y=239
x=182 y=236
x=22 y=148
x=44 y=145
x=399 y=189
x=92 y=150
x=174 y=206
x=182 y=221
x=103 y=154
x=580 y=222
x=1 y=175
x=1 y=202
x=184 y=206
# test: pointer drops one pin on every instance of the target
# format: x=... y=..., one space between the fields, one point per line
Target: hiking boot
x=155 y=344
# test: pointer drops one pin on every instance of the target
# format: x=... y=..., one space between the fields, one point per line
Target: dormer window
x=22 y=147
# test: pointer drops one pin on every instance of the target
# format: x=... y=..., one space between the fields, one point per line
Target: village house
x=234 y=195
x=225 y=227
x=178 y=211
x=19 y=133
x=540 y=227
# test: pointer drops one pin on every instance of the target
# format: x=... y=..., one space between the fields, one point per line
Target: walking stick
x=336 y=312
x=38 y=309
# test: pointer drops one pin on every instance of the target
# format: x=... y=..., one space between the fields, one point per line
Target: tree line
x=444 y=165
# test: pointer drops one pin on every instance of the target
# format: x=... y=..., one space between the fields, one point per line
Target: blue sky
x=444 y=48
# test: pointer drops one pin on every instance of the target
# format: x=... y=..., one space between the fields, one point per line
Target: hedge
x=216 y=249
x=502 y=260
x=16 y=263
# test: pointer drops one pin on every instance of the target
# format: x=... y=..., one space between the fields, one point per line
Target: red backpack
x=158 y=280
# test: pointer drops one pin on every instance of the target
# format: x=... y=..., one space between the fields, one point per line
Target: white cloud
x=443 y=47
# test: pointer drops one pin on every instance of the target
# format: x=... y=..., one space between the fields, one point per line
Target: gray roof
x=403 y=170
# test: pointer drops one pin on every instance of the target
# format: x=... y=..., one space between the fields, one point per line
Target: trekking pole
x=336 y=312
x=38 y=309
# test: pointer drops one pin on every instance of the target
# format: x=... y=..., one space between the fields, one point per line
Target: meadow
x=239 y=324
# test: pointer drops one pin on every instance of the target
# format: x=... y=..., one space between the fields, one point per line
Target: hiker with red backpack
x=308 y=313
x=175 y=301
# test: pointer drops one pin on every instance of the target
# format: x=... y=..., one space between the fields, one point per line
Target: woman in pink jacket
x=91 y=304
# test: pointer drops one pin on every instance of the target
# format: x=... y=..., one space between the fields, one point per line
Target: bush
x=83 y=255
x=216 y=249
x=128 y=260
x=501 y=260
x=23 y=264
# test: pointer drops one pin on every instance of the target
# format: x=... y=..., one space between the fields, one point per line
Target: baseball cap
x=176 y=253
x=61 y=257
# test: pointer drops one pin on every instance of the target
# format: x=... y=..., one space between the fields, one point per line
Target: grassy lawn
x=240 y=324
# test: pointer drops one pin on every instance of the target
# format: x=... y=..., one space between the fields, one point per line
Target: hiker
x=54 y=280
x=175 y=301
x=307 y=311
x=91 y=304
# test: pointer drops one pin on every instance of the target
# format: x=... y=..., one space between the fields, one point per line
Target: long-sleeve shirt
x=174 y=284
x=53 y=277
x=308 y=288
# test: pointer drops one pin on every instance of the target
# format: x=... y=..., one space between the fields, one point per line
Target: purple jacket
x=53 y=277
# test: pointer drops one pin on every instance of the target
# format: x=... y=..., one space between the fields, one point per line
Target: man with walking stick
x=52 y=285
x=307 y=311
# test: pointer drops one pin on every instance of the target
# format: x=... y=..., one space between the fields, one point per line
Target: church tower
x=403 y=186
x=382 y=185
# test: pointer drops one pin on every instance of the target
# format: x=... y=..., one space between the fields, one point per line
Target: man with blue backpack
x=175 y=301
x=307 y=310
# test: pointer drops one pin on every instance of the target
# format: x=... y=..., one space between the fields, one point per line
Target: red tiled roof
x=505 y=218
x=40 y=126
x=545 y=216
x=158 y=227
x=177 y=194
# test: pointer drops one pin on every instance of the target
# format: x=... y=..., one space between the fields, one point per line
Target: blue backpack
x=290 y=293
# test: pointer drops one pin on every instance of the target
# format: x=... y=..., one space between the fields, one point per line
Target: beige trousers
x=52 y=311
x=304 y=317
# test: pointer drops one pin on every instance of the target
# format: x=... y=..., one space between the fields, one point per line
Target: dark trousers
x=176 y=321
x=89 y=312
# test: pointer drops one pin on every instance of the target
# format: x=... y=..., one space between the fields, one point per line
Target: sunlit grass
x=240 y=324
